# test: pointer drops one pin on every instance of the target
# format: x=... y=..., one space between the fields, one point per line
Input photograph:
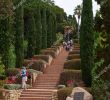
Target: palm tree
x=77 y=12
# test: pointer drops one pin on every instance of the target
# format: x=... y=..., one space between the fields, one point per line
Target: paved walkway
x=47 y=82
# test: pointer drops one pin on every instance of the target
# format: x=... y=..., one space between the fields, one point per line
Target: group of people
x=68 y=45
x=68 y=42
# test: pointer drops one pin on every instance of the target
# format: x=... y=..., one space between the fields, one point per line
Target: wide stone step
x=35 y=98
x=44 y=87
x=36 y=95
x=40 y=90
x=50 y=75
x=49 y=81
x=37 y=92
x=48 y=78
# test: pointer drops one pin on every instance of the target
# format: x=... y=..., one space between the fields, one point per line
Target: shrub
x=18 y=80
x=2 y=68
x=73 y=56
x=49 y=52
x=12 y=72
x=41 y=57
x=74 y=52
x=2 y=77
x=101 y=89
x=53 y=49
x=72 y=64
x=38 y=65
x=66 y=75
x=2 y=82
x=13 y=86
x=63 y=93
x=33 y=71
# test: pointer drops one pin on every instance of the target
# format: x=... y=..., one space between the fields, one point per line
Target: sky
x=69 y=5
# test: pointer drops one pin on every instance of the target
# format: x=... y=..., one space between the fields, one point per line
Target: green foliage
x=74 y=52
x=30 y=29
x=2 y=67
x=42 y=57
x=49 y=29
x=49 y=52
x=100 y=41
x=73 y=56
x=38 y=65
x=38 y=30
x=87 y=42
x=19 y=36
x=59 y=39
x=63 y=93
x=67 y=75
x=5 y=30
x=12 y=72
x=44 y=29
x=2 y=77
x=102 y=88
x=98 y=22
x=105 y=16
x=12 y=86
x=12 y=57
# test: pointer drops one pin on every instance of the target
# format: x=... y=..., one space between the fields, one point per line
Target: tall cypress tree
x=49 y=29
x=54 y=29
x=38 y=29
x=5 y=30
x=44 y=28
x=30 y=29
x=19 y=24
x=87 y=42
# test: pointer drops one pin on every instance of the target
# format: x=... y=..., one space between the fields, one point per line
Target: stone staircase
x=46 y=84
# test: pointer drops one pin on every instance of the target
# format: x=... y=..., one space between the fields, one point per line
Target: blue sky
x=69 y=5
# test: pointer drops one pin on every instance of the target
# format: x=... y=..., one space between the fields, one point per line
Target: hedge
x=63 y=93
x=73 y=56
x=66 y=75
x=72 y=64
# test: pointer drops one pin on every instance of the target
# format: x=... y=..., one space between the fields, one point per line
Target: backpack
x=23 y=73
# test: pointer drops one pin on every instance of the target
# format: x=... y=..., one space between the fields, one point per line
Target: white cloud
x=69 y=5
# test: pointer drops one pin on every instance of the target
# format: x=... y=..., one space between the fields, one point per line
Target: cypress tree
x=31 y=32
x=19 y=36
x=49 y=29
x=53 y=28
x=38 y=30
x=87 y=42
x=5 y=30
x=44 y=28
